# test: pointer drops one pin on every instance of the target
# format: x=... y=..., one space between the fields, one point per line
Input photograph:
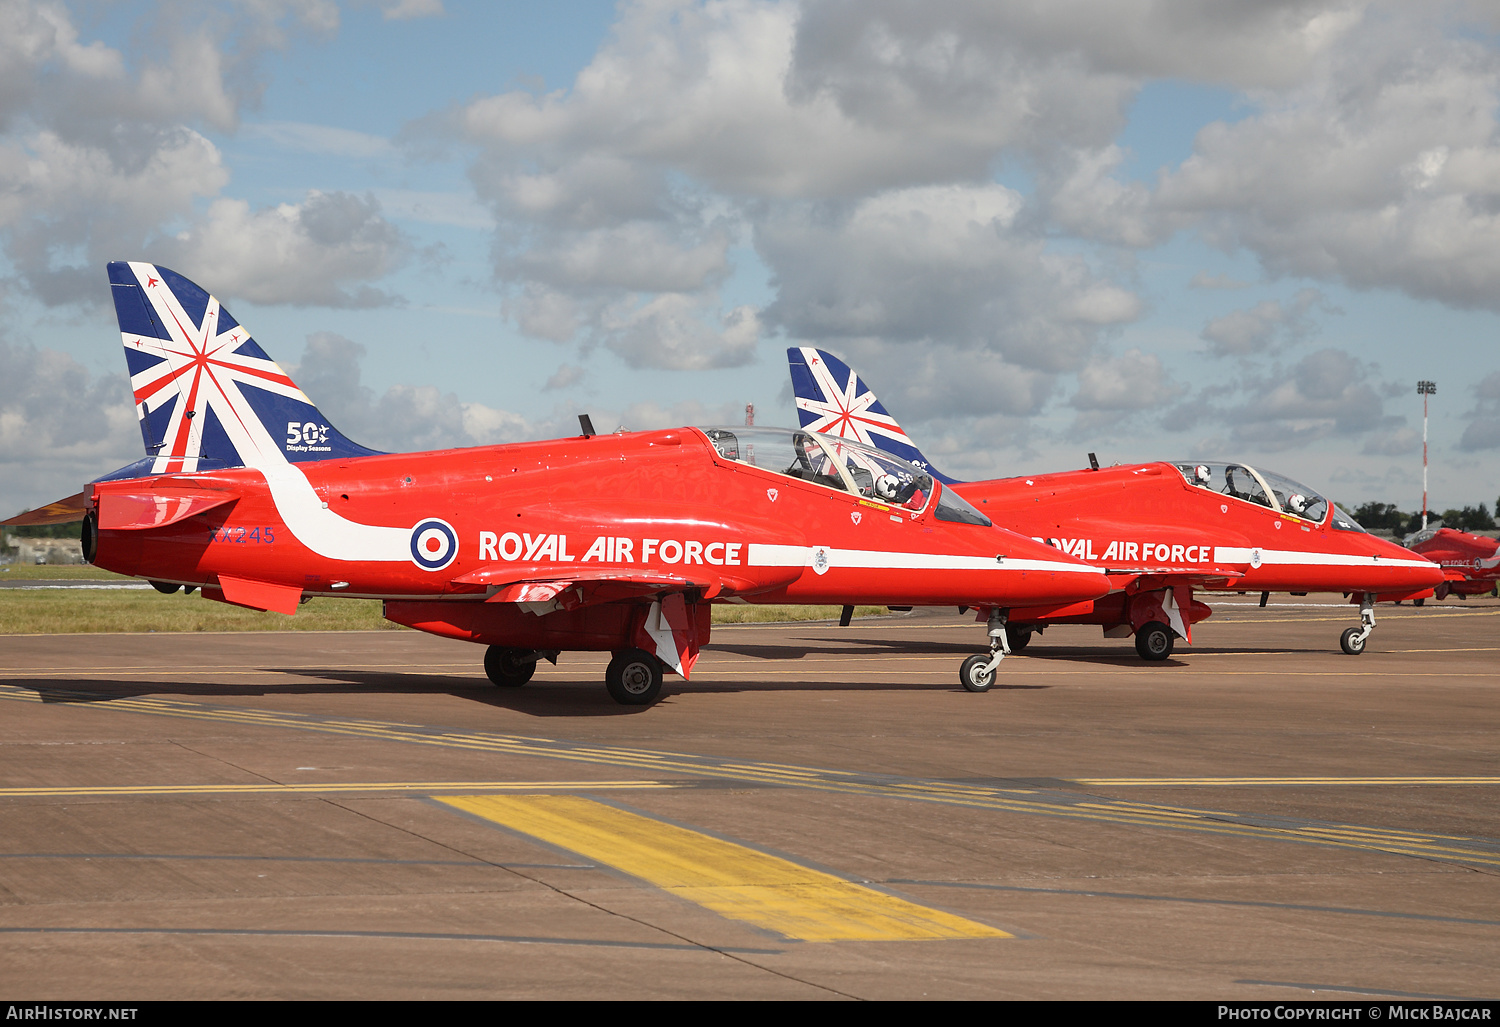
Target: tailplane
x=833 y=400
x=206 y=394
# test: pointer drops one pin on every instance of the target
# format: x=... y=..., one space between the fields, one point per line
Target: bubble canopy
x=846 y=466
x=1265 y=488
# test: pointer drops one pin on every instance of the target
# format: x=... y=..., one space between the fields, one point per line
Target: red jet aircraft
x=1159 y=531
x=614 y=543
x=1471 y=562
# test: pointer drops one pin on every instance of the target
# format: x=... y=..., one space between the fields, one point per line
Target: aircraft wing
x=1147 y=579
x=560 y=587
x=668 y=627
x=63 y=511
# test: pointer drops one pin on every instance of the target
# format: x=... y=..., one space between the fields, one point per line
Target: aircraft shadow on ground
x=1106 y=655
x=876 y=648
x=843 y=646
x=838 y=686
x=579 y=697
x=535 y=700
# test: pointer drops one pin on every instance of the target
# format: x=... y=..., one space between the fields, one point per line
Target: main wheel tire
x=1154 y=641
x=975 y=674
x=1019 y=638
x=1418 y=602
x=1352 y=642
x=507 y=667
x=164 y=587
x=634 y=678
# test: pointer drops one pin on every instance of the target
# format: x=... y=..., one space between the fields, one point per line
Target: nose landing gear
x=978 y=672
x=1352 y=641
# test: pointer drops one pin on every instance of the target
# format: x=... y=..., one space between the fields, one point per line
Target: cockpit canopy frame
x=1277 y=492
x=843 y=465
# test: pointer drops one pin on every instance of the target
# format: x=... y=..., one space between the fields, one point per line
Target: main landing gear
x=512 y=668
x=1019 y=637
x=1352 y=641
x=634 y=676
x=1154 y=641
x=978 y=672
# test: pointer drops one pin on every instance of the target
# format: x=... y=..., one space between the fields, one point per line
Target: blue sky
x=1037 y=233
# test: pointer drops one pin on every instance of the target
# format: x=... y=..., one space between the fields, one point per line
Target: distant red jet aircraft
x=614 y=542
x=1472 y=562
x=1159 y=531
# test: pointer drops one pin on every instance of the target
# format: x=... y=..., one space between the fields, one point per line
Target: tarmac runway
x=822 y=812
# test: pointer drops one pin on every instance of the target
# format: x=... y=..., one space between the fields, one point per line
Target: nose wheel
x=977 y=674
x=1352 y=641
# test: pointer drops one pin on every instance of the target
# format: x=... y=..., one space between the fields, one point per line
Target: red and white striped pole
x=1425 y=389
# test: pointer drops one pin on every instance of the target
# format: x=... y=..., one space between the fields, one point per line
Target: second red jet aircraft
x=1160 y=531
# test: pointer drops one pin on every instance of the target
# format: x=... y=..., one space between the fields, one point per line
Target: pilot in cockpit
x=1229 y=486
x=889 y=488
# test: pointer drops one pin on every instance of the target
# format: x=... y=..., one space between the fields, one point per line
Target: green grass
x=70 y=611
x=86 y=611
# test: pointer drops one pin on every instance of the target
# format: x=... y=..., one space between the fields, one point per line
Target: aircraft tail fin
x=832 y=399
x=206 y=394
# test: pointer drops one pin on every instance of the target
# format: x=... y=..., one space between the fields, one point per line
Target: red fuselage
x=1146 y=521
x=437 y=531
x=1476 y=557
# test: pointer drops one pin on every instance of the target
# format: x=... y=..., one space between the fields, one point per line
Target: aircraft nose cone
x=1066 y=578
x=1421 y=573
x=1097 y=585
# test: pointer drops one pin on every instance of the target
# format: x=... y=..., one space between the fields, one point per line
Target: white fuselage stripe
x=325 y=532
x=1291 y=557
x=873 y=559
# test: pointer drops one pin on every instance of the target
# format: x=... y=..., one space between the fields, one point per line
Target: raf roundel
x=434 y=544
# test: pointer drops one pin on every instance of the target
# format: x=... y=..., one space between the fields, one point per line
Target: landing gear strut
x=978 y=672
x=1352 y=641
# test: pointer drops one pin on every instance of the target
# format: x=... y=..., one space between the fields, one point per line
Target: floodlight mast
x=1425 y=389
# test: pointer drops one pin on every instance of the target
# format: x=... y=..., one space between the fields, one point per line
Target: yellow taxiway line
x=733 y=880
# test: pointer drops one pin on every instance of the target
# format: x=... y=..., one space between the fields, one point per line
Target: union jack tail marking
x=206 y=394
x=833 y=400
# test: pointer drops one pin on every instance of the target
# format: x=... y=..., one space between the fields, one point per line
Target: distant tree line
x=69 y=530
x=1386 y=515
x=8 y=536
